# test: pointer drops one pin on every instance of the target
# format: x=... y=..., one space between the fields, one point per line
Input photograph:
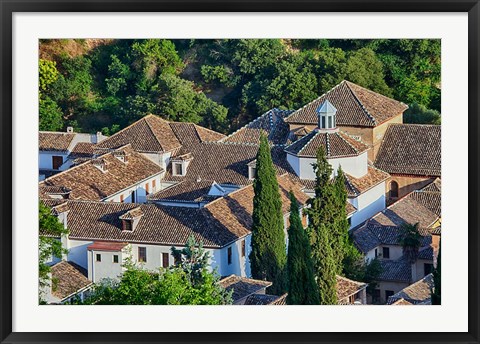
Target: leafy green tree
x=331 y=68
x=192 y=259
x=419 y=114
x=118 y=76
x=365 y=69
x=302 y=289
x=268 y=257
x=319 y=213
x=253 y=56
x=49 y=244
x=48 y=74
x=411 y=240
x=50 y=118
x=436 y=293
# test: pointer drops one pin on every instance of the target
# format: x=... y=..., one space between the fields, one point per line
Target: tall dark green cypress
x=268 y=257
x=437 y=282
x=302 y=289
x=321 y=214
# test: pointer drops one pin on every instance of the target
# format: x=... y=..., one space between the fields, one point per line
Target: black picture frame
x=8 y=7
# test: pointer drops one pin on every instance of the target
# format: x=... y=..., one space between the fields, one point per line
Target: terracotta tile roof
x=430 y=197
x=416 y=293
x=190 y=134
x=164 y=225
x=88 y=182
x=402 y=302
x=208 y=135
x=54 y=141
x=398 y=270
x=413 y=149
x=405 y=210
x=270 y=123
x=69 y=277
x=149 y=134
x=187 y=191
x=357 y=186
x=82 y=150
x=45 y=191
x=426 y=253
x=347 y=287
x=335 y=144
x=435 y=186
x=107 y=246
x=356 y=106
x=242 y=286
x=264 y=299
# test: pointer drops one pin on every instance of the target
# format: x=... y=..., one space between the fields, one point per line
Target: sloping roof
x=185 y=191
x=107 y=246
x=399 y=270
x=357 y=186
x=402 y=302
x=190 y=134
x=270 y=123
x=82 y=150
x=356 y=106
x=69 y=278
x=264 y=300
x=347 y=287
x=416 y=293
x=335 y=144
x=405 y=210
x=430 y=197
x=426 y=253
x=87 y=182
x=54 y=141
x=413 y=149
x=149 y=134
x=242 y=286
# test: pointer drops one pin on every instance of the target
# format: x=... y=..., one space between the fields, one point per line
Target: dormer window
x=178 y=169
x=121 y=155
x=131 y=219
x=327 y=116
x=127 y=225
x=180 y=164
x=101 y=164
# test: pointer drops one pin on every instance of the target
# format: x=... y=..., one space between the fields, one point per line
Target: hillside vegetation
x=104 y=85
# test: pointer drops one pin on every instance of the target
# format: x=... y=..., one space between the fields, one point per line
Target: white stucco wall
x=368 y=204
x=356 y=166
x=240 y=265
x=396 y=252
x=106 y=268
x=160 y=159
x=77 y=252
x=45 y=160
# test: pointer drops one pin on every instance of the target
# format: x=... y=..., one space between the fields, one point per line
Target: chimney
x=69 y=129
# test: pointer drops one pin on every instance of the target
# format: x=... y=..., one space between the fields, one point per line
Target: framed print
x=193 y=164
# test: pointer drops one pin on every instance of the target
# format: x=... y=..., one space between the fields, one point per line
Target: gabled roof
x=82 y=150
x=356 y=106
x=149 y=134
x=270 y=123
x=54 y=141
x=412 y=149
x=242 y=286
x=70 y=278
x=335 y=144
x=416 y=293
x=399 y=270
x=185 y=191
x=265 y=300
x=357 y=186
x=430 y=197
x=347 y=287
x=190 y=134
x=87 y=182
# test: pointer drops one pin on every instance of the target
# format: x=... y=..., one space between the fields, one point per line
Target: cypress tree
x=268 y=257
x=436 y=293
x=321 y=214
x=302 y=289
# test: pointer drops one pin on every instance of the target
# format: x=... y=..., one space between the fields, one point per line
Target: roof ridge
x=360 y=103
x=308 y=142
x=211 y=130
x=324 y=94
x=244 y=126
x=153 y=133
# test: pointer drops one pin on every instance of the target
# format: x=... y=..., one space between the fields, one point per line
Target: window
x=388 y=293
x=427 y=268
x=251 y=172
x=178 y=169
x=142 y=254
x=330 y=125
x=127 y=225
x=57 y=161
x=323 y=122
x=393 y=189
x=147 y=188
x=386 y=252
x=165 y=262
x=349 y=220
x=98 y=257
x=133 y=196
x=229 y=255
x=243 y=248
x=121 y=198
x=115 y=258
x=154 y=185
x=376 y=253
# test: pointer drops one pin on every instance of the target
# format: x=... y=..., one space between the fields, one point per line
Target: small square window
x=115 y=258
x=178 y=169
x=142 y=254
x=229 y=255
x=165 y=260
x=243 y=248
x=386 y=252
x=388 y=293
x=98 y=257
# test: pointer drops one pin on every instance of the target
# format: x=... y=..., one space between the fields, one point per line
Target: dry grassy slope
x=52 y=49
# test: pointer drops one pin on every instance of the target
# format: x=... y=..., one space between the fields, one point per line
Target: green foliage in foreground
x=187 y=283
x=436 y=293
